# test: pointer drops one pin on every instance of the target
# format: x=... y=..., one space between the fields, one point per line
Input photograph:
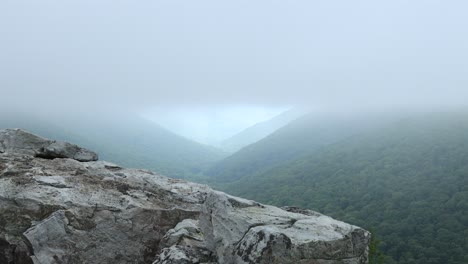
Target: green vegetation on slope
x=408 y=181
x=126 y=140
x=260 y=130
x=297 y=139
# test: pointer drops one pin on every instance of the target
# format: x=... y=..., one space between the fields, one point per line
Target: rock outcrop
x=58 y=204
x=19 y=141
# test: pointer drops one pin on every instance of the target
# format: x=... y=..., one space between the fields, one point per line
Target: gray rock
x=243 y=231
x=67 y=211
x=185 y=233
x=59 y=149
x=20 y=141
x=184 y=255
x=185 y=244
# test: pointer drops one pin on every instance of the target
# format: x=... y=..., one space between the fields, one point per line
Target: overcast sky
x=141 y=54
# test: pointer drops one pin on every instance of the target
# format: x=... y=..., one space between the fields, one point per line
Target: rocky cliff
x=58 y=204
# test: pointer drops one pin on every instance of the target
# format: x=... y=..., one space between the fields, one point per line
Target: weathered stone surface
x=20 y=141
x=65 y=211
x=243 y=231
x=184 y=255
x=185 y=244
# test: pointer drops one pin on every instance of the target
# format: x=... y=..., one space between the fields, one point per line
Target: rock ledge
x=19 y=141
x=58 y=204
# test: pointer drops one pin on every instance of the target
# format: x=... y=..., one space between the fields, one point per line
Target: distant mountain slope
x=260 y=130
x=298 y=138
x=408 y=181
x=124 y=139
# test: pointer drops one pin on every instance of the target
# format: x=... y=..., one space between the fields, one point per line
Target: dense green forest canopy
x=408 y=181
x=297 y=139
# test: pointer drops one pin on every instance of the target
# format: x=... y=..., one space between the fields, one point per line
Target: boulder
x=20 y=141
x=62 y=210
x=185 y=244
x=244 y=231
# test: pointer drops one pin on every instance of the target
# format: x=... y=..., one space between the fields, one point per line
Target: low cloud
x=63 y=56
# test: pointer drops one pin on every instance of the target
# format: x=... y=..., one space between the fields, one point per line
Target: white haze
x=83 y=54
x=65 y=57
x=211 y=125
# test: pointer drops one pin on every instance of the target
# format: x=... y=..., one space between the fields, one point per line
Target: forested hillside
x=260 y=130
x=297 y=139
x=408 y=182
x=127 y=140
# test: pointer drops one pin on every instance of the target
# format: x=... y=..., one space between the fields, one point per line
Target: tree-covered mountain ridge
x=125 y=139
x=260 y=130
x=407 y=180
x=296 y=139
